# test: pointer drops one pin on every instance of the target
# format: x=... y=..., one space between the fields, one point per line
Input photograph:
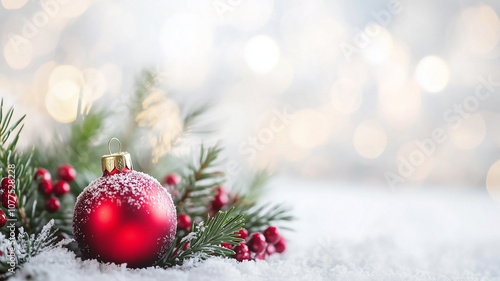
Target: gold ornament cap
x=119 y=161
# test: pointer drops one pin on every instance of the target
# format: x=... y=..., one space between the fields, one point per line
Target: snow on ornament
x=124 y=216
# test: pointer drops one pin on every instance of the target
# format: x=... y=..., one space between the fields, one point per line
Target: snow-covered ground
x=343 y=233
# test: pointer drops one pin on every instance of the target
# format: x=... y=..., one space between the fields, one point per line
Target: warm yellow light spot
x=68 y=73
x=346 y=96
x=370 y=139
x=470 y=133
x=62 y=101
x=432 y=74
x=493 y=181
x=380 y=46
x=163 y=117
x=481 y=27
x=18 y=52
x=13 y=4
x=262 y=53
x=308 y=128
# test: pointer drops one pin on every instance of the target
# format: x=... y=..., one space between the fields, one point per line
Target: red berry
x=52 y=204
x=261 y=256
x=226 y=245
x=45 y=187
x=272 y=234
x=270 y=249
x=9 y=200
x=7 y=184
x=257 y=243
x=66 y=172
x=43 y=174
x=3 y=219
x=242 y=252
x=243 y=233
x=173 y=179
x=61 y=187
x=280 y=246
x=183 y=222
x=220 y=200
x=186 y=246
x=221 y=190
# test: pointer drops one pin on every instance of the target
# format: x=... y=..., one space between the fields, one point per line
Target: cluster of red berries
x=258 y=245
x=66 y=174
x=9 y=200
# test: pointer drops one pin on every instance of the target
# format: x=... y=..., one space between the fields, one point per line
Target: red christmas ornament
x=52 y=205
x=124 y=216
x=66 y=172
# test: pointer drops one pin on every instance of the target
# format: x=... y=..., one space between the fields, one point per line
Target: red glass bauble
x=125 y=217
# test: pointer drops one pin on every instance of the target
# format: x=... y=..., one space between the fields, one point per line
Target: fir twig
x=206 y=239
x=258 y=218
x=199 y=183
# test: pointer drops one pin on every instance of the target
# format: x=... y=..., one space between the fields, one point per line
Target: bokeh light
x=380 y=44
x=18 y=52
x=261 y=53
x=481 y=29
x=370 y=139
x=62 y=101
x=13 y=4
x=432 y=74
x=493 y=181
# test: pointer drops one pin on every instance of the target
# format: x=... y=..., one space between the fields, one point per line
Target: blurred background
x=397 y=94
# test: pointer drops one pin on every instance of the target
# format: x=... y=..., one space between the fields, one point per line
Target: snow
x=343 y=233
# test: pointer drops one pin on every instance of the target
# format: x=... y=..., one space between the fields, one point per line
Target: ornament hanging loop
x=116 y=161
x=119 y=146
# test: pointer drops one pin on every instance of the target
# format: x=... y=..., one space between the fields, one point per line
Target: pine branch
x=254 y=191
x=259 y=218
x=200 y=182
x=17 y=167
x=26 y=246
x=206 y=239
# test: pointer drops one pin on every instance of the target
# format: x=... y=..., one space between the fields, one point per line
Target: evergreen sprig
x=17 y=252
x=33 y=230
x=259 y=218
x=199 y=183
x=206 y=239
